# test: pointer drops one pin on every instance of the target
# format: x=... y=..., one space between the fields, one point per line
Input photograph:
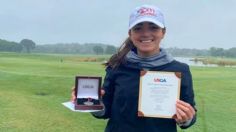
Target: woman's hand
x=184 y=112
x=73 y=96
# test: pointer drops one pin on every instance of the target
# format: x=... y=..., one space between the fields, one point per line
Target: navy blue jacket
x=121 y=87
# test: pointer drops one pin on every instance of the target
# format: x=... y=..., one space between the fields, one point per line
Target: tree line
x=213 y=51
x=76 y=48
x=27 y=45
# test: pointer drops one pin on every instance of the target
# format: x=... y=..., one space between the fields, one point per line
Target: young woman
x=141 y=51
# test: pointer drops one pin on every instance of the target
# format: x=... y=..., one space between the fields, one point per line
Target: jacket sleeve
x=107 y=99
x=187 y=93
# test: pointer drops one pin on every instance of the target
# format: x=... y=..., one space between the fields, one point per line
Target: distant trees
x=217 y=51
x=98 y=49
x=10 y=46
x=220 y=52
x=18 y=48
x=110 y=49
x=27 y=44
x=231 y=52
x=213 y=51
x=187 y=52
x=73 y=48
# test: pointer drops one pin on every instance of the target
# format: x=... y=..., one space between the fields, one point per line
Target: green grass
x=32 y=88
x=215 y=95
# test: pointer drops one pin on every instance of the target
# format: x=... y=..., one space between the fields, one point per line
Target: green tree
x=28 y=44
x=110 y=49
x=17 y=47
x=98 y=49
x=217 y=51
x=10 y=46
x=231 y=52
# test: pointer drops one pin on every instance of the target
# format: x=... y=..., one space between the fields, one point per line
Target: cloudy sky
x=190 y=24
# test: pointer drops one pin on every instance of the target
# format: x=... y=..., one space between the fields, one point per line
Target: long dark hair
x=118 y=58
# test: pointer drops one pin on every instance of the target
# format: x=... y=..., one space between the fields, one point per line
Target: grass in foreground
x=32 y=88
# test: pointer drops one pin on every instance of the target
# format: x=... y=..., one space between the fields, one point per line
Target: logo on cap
x=146 y=11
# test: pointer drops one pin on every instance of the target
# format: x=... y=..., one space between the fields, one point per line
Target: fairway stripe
x=20 y=73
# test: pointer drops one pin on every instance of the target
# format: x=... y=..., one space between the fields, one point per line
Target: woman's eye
x=155 y=28
x=137 y=28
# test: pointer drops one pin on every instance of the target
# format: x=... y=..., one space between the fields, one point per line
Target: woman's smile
x=146 y=40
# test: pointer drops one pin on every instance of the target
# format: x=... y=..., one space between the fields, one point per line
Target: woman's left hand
x=184 y=112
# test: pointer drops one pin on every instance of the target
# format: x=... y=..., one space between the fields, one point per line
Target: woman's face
x=146 y=37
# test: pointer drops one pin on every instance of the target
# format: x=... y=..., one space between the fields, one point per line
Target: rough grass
x=32 y=88
x=217 y=61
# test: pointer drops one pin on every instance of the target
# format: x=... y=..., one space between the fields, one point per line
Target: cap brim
x=146 y=20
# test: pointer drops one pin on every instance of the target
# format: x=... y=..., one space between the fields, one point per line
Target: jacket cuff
x=188 y=123
x=98 y=113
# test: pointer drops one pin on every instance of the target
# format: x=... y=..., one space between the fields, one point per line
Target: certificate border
x=142 y=73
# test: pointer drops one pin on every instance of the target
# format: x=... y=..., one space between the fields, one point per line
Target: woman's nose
x=146 y=32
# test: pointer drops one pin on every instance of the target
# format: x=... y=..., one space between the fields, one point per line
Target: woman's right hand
x=73 y=96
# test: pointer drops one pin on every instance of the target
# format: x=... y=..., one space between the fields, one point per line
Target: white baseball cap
x=146 y=13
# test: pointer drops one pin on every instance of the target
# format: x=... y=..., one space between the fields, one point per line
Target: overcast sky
x=190 y=23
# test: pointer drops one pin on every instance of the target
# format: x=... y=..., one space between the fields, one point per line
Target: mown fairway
x=32 y=88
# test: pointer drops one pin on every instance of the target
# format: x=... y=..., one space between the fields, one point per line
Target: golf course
x=34 y=86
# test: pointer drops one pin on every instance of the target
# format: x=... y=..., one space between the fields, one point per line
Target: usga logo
x=159 y=80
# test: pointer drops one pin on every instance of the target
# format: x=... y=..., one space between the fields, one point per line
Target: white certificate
x=158 y=93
